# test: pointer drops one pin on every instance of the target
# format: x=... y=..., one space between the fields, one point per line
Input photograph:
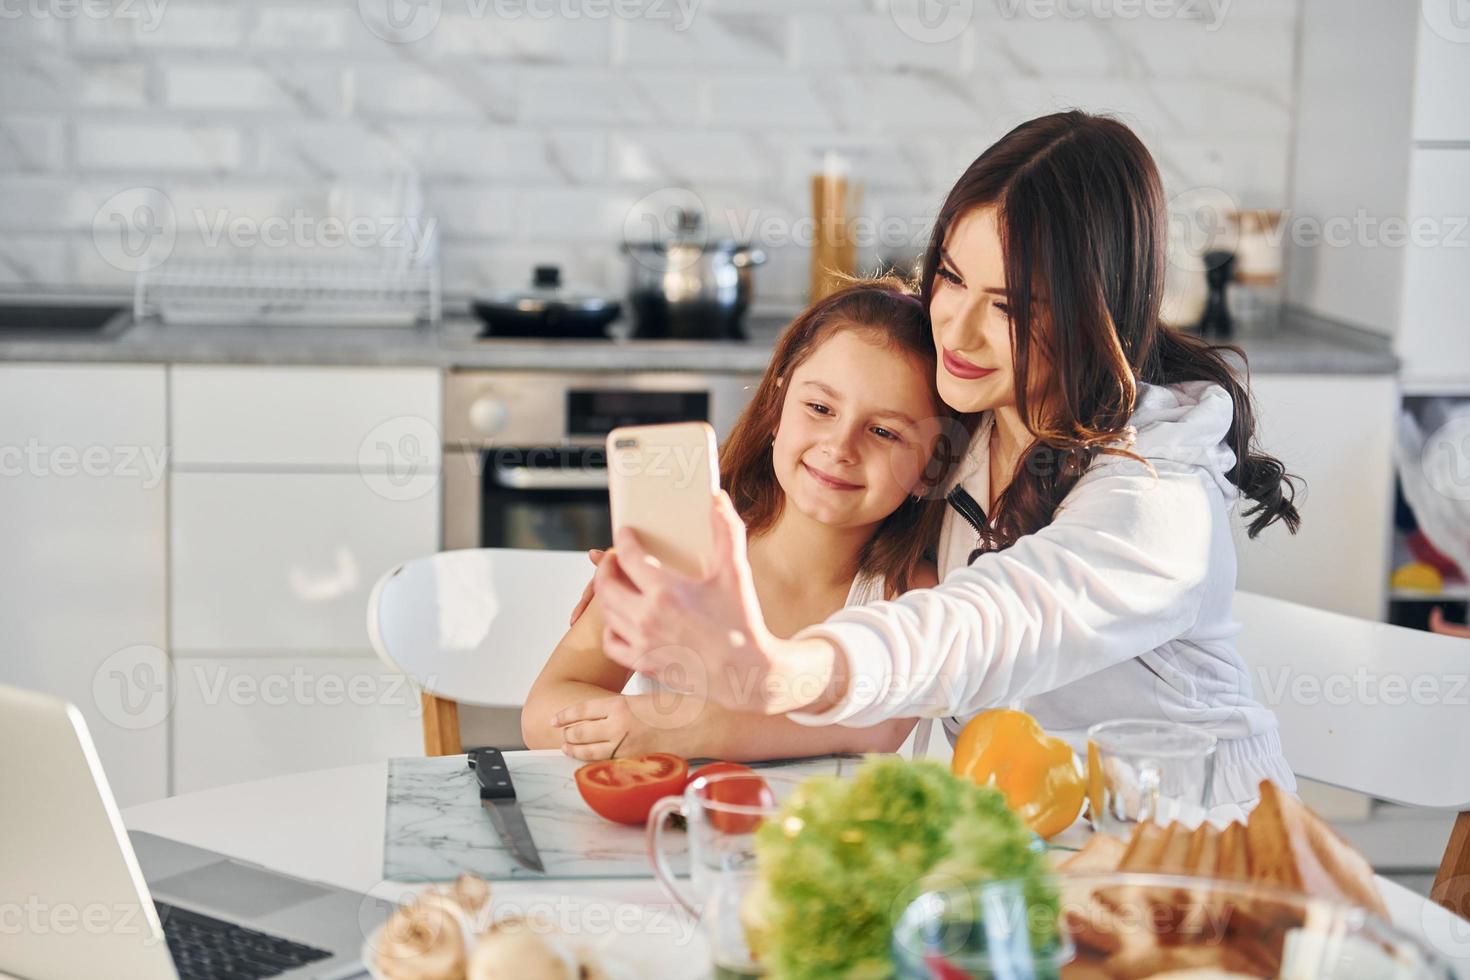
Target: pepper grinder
x=1219 y=271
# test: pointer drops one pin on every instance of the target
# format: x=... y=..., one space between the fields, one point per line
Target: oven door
x=546 y=498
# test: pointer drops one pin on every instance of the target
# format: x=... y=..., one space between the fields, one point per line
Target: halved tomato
x=624 y=790
x=743 y=789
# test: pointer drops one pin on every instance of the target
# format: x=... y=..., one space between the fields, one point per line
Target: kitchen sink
x=59 y=320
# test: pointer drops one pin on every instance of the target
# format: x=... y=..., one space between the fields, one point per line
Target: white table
x=328 y=826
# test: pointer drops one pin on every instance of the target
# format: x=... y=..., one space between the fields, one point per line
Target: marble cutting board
x=435 y=829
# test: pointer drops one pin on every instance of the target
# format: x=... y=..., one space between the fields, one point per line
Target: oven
x=524 y=458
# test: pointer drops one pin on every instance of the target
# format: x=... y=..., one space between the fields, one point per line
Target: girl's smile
x=827 y=480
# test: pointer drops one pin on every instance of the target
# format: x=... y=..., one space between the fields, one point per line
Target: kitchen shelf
x=1416 y=386
x=1452 y=592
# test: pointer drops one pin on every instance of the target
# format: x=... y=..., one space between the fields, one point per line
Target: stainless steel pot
x=688 y=288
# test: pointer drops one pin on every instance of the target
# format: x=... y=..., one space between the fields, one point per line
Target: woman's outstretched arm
x=1120 y=570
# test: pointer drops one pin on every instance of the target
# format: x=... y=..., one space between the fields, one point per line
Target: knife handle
x=493 y=774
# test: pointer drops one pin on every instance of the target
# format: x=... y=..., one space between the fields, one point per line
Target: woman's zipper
x=967 y=507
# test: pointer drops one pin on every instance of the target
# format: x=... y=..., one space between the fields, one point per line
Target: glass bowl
x=1119 y=926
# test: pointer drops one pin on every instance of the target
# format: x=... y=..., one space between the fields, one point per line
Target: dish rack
x=377 y=284
x=348 y=293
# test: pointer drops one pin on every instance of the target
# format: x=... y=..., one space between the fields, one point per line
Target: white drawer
x=285 y=561
x=1434 y=333
x=309 y=417
x=119 y=407
x=240 y=718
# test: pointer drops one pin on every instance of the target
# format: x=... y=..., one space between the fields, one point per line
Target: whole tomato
x=739 y=786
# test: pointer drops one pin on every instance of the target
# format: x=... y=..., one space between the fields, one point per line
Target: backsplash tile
x=159 y=147
x=31 y=144
x=536 y=127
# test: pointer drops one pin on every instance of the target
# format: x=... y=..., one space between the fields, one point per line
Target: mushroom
x=424 y=941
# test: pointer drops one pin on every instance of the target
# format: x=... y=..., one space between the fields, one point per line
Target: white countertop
x=328 y=826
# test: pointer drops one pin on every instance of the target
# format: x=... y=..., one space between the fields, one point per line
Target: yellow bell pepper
x=1038 y=774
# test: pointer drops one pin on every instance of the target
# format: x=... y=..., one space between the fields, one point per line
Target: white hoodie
x=1119 y=608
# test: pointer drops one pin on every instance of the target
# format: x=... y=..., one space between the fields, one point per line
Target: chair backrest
x=1366 y=706
x=476 y=626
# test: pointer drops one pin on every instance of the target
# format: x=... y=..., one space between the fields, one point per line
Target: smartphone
x=661 y=482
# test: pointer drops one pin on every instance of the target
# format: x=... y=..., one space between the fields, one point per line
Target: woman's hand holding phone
x=708 y=636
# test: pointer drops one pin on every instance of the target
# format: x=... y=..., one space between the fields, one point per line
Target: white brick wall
x=158 y=147
x=31 y=144
x=535 y=133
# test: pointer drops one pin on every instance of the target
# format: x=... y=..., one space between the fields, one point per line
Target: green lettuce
x=846 y=856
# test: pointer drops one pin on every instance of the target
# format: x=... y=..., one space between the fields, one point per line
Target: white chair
x=1368 y=707
x=473 y=627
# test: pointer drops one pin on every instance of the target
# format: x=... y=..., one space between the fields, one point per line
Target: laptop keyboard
x=210 y=949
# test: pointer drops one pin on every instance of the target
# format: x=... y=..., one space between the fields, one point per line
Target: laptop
x=83 y=898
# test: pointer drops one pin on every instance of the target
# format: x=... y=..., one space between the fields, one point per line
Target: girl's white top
x=1119 y=608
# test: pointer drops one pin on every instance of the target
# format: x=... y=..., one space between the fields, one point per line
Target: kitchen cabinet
x=82 y=560
x=285 y=561
x=1434 y=332
x=238 y=718
x=316 y=417
x=293 y=490
x=1382 y=244
x=1336 y=433
x=1441 y=111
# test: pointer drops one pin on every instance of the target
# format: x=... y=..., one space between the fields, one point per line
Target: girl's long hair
x=1083 y=226
x=887 y=309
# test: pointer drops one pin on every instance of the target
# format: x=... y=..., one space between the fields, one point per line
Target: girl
x=825 y=467
x=1087 y=553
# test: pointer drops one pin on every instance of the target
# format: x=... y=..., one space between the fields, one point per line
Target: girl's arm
x=576 y=672
x=682 y=724
x=697 y=729
x=739 y=736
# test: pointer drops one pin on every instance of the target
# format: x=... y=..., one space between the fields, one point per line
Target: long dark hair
x=888 y=310
x=1083 y=223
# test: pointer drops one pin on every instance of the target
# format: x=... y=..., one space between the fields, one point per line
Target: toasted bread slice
x=1205 y=850
x=1102 y=852
x=1293 y=847
x=1146 y=848
x=1234 y=863
x=1174 y=855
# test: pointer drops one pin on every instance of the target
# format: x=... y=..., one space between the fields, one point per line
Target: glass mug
x=722 y=858
x=1141 y=770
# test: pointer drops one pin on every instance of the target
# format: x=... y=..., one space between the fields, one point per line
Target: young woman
x=825 y=466
x=1087 y=558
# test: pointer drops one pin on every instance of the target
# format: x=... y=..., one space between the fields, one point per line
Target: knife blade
x=498 y=798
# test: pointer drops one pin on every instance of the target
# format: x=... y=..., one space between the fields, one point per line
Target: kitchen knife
x=498 y=797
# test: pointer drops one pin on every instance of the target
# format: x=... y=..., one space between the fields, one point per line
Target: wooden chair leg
x=1452 y=884
x=441 y=726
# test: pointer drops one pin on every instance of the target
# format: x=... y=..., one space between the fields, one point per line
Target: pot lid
x=547 y=292
x=688 y=234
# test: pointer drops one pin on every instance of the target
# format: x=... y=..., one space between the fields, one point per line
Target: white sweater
x=1119 y=608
